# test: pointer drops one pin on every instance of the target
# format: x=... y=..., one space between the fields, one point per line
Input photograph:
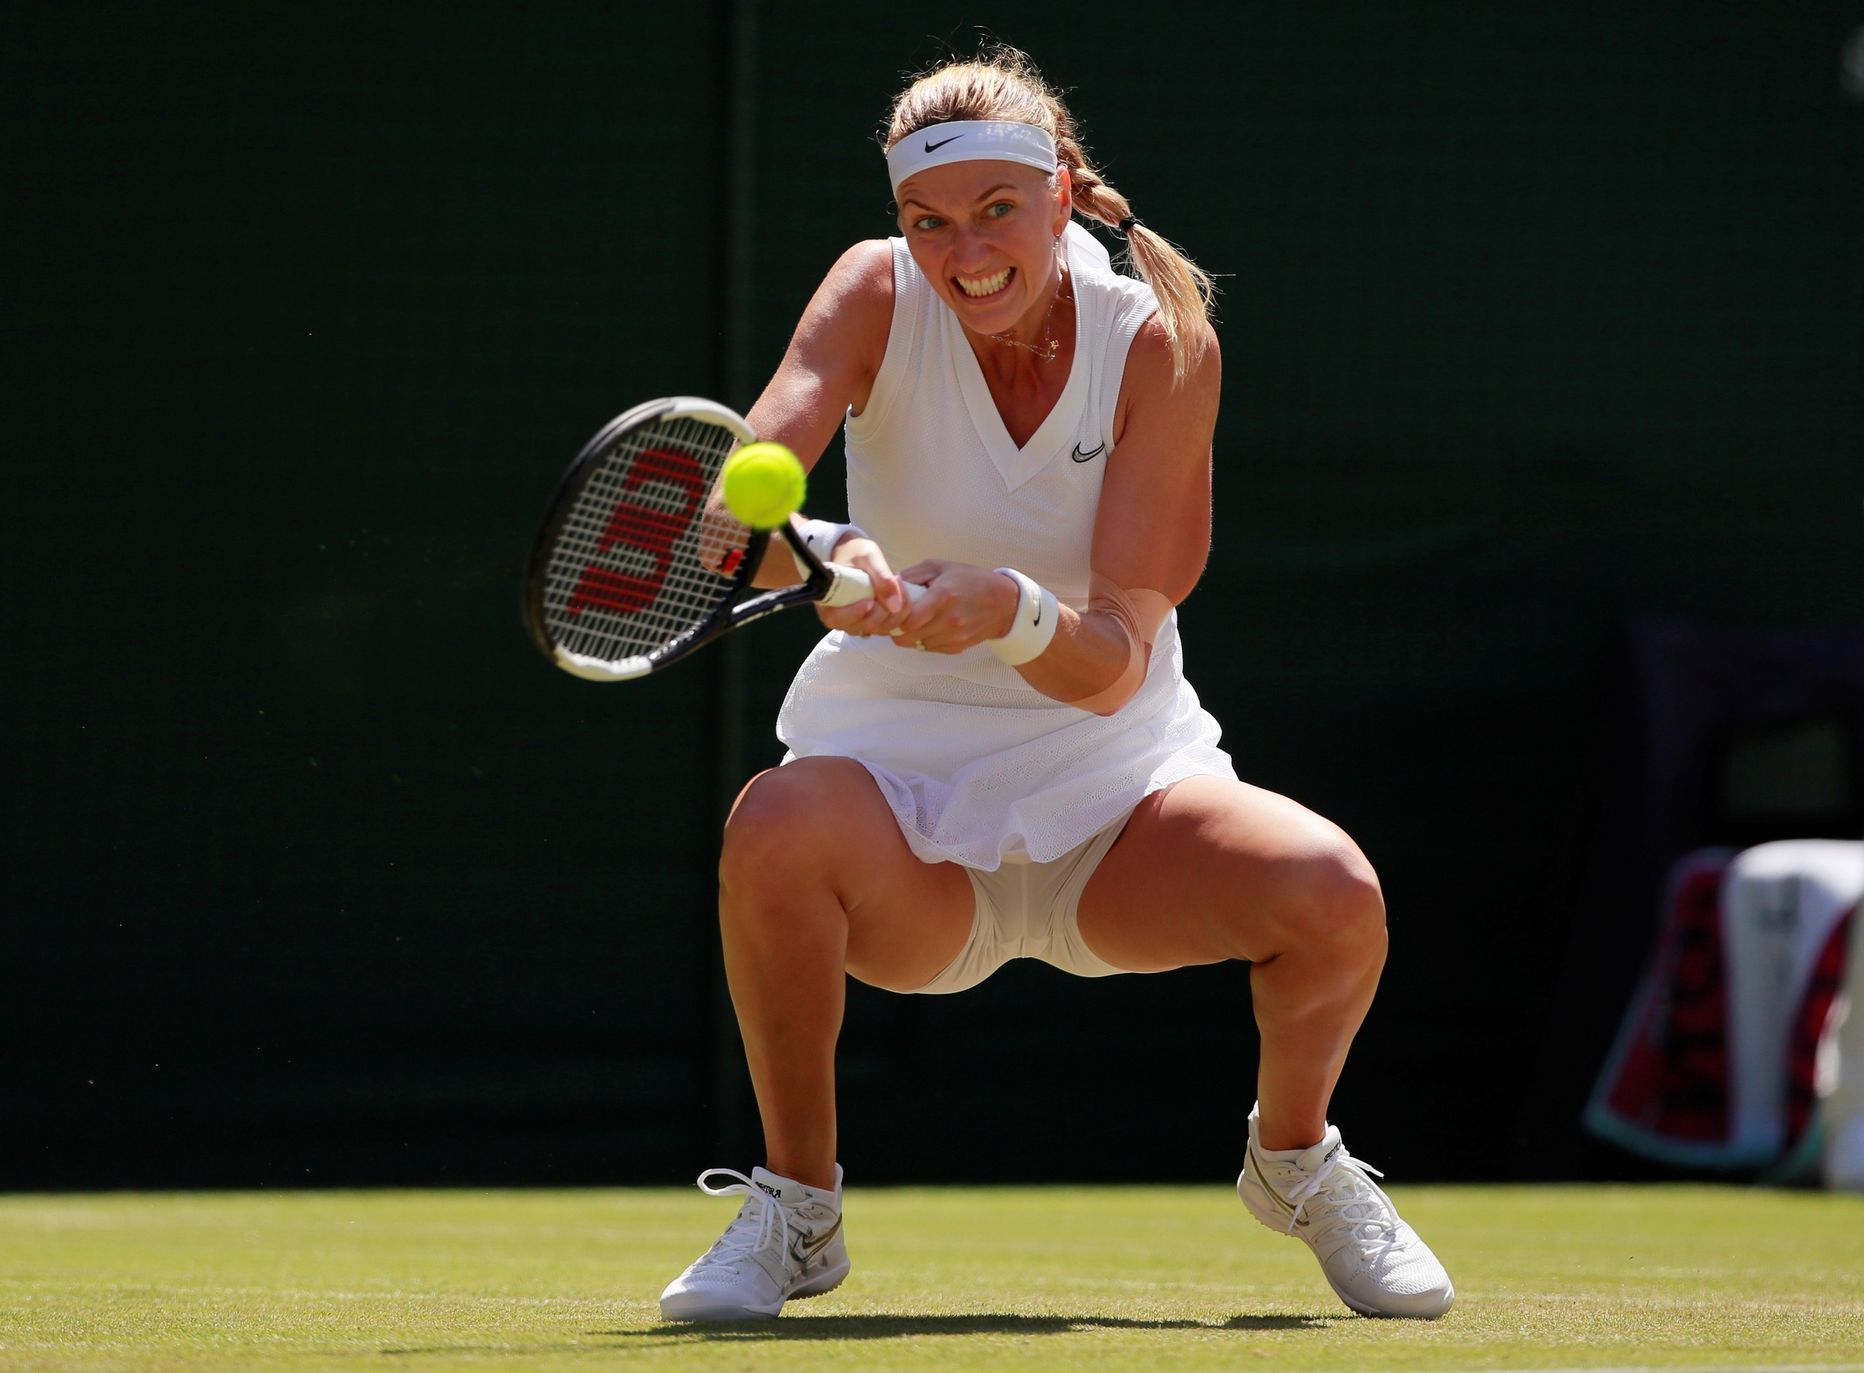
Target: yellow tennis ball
x=764 y=484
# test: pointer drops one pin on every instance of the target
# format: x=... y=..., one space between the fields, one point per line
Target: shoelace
x=752 y=1230
x=1361 y=1209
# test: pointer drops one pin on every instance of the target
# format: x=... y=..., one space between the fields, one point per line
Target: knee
x=764 y=834
x=1342 y=906
x=781 y=833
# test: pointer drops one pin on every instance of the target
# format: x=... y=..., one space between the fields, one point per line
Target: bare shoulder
x=1151 y=386
x=1151 y=355
x=871 y=260
x=858 y=288
x=834 y=354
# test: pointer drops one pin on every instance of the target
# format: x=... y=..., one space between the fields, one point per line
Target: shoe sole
x=684 y=1309
x=1448 y=1301
x=1258 y=1199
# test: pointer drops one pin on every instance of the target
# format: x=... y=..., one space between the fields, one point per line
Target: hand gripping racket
x=638 y=563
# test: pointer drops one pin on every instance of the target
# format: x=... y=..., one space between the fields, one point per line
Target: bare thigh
x=1251 y=874
x=821 y=825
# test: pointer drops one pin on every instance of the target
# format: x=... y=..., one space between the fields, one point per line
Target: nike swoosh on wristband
x=934 y=147
x=1079 y=456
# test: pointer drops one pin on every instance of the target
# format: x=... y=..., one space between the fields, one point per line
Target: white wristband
x=1037 y=614
x=821 y=536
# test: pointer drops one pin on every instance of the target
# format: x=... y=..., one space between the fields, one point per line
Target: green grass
x=1012 y=1278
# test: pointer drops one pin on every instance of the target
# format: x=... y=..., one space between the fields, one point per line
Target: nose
x=969 y=248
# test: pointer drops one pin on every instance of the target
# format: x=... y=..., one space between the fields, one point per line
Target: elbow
x=1110 y=698
x=1116 y=698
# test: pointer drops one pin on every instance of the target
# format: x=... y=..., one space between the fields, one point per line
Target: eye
x=1000 y=209
x=928 y=223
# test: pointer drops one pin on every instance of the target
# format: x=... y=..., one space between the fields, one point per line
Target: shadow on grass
x=855 y=1327
x=872 y=1327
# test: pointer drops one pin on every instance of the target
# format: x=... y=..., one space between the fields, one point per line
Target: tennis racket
x=638 y=563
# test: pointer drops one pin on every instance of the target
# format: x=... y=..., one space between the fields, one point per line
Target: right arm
x=830 y=367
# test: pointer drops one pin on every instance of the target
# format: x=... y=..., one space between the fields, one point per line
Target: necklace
x=1052 y=345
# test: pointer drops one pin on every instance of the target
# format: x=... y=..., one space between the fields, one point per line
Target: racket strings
x=633 y=566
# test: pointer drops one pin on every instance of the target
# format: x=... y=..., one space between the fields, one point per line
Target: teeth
x=985 y=286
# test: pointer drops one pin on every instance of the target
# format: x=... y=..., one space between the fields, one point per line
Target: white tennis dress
x=977 y=765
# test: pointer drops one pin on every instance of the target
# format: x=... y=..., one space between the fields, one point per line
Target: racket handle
x=849 y=584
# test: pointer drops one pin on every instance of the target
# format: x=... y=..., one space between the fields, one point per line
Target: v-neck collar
x=1017 y=465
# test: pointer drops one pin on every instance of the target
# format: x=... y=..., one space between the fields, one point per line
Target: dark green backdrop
x=1536 y=319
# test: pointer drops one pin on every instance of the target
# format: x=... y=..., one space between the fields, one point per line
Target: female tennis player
x=1004 y=768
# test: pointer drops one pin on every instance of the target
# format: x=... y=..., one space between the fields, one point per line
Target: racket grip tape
x=849 y=584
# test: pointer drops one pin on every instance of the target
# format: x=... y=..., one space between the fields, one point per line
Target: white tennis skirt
x=977 y=765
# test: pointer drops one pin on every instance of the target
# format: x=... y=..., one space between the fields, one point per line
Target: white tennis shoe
x=786 y=1242
x=1322 y=1196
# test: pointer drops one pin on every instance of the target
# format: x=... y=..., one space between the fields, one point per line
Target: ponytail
x=1183 y=288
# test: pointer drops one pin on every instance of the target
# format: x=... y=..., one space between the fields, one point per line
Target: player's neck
x=1031 y=358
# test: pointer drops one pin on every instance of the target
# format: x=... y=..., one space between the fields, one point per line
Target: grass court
x=1676 y=1277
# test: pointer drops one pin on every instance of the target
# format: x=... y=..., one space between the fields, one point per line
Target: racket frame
x=827 y=583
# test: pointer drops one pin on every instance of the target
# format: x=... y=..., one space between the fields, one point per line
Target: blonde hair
x=1002 y=83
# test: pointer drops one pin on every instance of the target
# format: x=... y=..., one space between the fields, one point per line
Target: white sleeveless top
x=978 y=766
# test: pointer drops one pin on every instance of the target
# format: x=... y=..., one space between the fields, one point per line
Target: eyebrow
x=1001 y=186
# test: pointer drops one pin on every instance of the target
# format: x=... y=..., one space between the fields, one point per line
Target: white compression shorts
x=1030 y=910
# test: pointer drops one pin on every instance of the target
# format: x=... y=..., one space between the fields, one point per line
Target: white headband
x=970 y=140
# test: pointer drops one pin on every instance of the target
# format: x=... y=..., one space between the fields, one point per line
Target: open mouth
x=982 y=288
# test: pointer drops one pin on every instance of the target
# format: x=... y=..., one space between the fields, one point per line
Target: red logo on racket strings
x=641 y=526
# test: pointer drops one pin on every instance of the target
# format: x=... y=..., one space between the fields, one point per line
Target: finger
x=847 y=618
x=882 y=618
x=925 y=575
x=865 y=554
x=925 y=613
x=889 y=591
x=875 y=618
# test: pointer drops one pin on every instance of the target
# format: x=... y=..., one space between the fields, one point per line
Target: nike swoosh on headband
x=934 y=147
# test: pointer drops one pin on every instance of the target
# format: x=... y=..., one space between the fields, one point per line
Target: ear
x=1064 y=198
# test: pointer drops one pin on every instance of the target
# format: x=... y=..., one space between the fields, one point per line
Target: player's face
x=984 y=235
